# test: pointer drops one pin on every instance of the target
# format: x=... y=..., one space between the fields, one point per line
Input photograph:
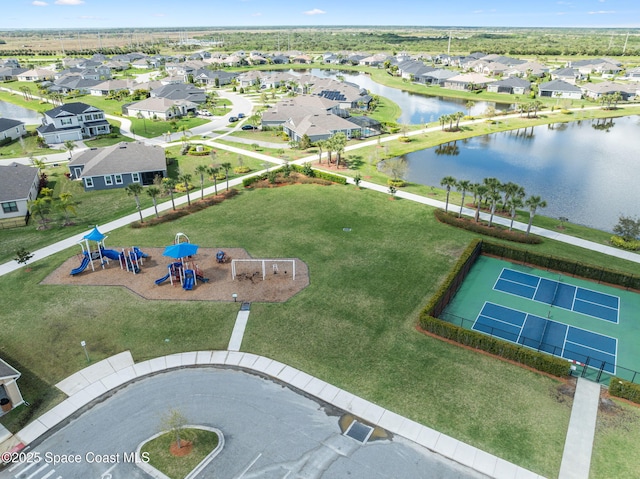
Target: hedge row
x=481 y=228
x=564 y=265
x=624 y=389
x=504 y=349
x=528 y=357
x=299 y=169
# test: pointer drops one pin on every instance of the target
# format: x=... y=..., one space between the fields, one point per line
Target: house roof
x=16 y=181
x=321 y=124
x=476 y=78
x=160 y=105
x=70 y=109
x=121 y=158
x=559 y=85
x=566 y=72
x=8 y=123
x=609 y=87
x=513 y=82
x=7 y=372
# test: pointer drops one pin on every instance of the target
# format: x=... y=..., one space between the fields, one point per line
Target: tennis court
x=569 y=342
x=556 y=293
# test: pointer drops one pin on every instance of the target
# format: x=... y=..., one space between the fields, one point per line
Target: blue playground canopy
x=180 y=250
x=95 y=235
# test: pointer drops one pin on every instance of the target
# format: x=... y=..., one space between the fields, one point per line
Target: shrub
x=618 y=242
x=404 y=139
x=624 y=389
x=238 y=170
x=495 y=231
x=396 y=183
x=181 y=189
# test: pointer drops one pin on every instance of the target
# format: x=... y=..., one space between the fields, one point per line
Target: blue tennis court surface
x=565 y=296
x=542 y=334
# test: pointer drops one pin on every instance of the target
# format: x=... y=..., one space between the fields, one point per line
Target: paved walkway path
x=98 y=379
x=576 y=459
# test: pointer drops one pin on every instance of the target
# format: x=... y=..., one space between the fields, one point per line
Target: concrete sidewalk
x=105 y=376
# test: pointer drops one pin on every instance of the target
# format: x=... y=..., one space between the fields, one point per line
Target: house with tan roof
x=467 y=81
x=160 y=108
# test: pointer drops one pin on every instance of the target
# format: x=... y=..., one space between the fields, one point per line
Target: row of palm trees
x=457 y=116
x=492 y=192
x=334 y=144
x=45 y=203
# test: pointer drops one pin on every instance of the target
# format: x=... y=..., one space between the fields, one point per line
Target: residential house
x=279 y=59
x=9 y=387
x=527 y=69
x=105 y=88
x=12 y=129
x=597 y=90
x=10 y=73
x=213 y=77
x=296 y=108
x=559 y=89
x=160 y=108
x=72 y=121
x=467 y=81
x=18 y=185
x=302 y=59
x=249 y=78
x=435 y=77
x=118 y=166
x=513 y=86
x=320 y=126
x=180 y=91
x=38 y=74
x=569 y=75
x=606 y=67
x=71 y=83
x=374 y=60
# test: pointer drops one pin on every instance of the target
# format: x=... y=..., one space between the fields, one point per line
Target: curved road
x=270 y=431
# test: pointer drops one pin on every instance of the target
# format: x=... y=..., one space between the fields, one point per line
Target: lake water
x=416 y=109
x=587 y=171
x=14 y=112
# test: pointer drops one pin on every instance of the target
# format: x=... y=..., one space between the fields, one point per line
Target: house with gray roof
x=297 y=108
x=18 y=185
x=10 y=73
x=9 y=387
x=213 y=77
x=569 y=75
x=118 y=166
x=598 y=90
x=320 y=126
x=559 y=89
x=12 y=129
x=435 y=77
x=180 y=91
x=72 y=121
x=512 y=86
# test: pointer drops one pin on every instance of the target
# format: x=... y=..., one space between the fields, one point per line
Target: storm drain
x=245 y=306
x=358 y=431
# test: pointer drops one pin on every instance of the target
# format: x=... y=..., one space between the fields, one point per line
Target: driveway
x=270 y=431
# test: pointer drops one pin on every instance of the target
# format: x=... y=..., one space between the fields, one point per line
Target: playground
x=278 y=284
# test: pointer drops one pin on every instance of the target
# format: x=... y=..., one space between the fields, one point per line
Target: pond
x=587 y=171
x=15 y=112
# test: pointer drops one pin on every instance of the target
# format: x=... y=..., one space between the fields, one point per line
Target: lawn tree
x=134 y=189
x=185 y=178
x=40 y=207
x=69 y=146
x=174 y=421
x=513 y=204
x=202 y=170
x=627 y=228
x=463 y=186
x=213 y=172
x=305 y=142
x=153 y=191
x=494 y=197
x=479 y=191
x=533 y=202
x=469 y=105
x=458 y=116
x=447 y=182
x=169 y=186
x=396 y=167
x=23 y=255
x=320 y=144
x=226 y=167
x=493 y=185
x=510 y=190
x=339 y=141
x=66 y=204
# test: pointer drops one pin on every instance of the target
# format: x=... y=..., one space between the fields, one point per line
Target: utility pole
x=449 y=46
x=624 y=49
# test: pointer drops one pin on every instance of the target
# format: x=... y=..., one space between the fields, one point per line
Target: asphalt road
x=270 y=431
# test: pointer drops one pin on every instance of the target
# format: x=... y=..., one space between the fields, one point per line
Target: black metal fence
x=584 y=366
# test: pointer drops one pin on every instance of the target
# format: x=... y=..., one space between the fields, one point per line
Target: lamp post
x=235 y=297
x=84 y=347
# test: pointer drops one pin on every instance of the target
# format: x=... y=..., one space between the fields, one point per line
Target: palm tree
x=67 y=206
x=533 y=202
x=494 y=197
x=40 y=207
x=185 y=178
x=226 y=167
x=493 y=185
x=443 y=120
x=447 y=182
x=153 y=192
x=458 y=116
x=479 y=190
x=69 y=146
x=514 y=203
x=463 y=186
x=339 y=141
x=469 y=105
x=134 y=189
x=510 y=190
x=320 y=144
x=169 y=186
x=202 y=170
x=213 y=171
x=536 y=105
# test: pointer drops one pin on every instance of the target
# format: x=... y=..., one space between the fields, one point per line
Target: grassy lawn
x=354 y=326
x=17 y=98
x=153 y=128
x=178 y=467
x=107 y=140
x=28 y=146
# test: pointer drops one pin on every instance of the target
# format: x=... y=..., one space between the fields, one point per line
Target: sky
x=60 y=14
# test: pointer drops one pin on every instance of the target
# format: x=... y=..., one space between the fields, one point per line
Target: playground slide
x=82 y=267
x=139 y=253
x=188 y=280
x=111 y=254
x=159 y=281
x=201 y=278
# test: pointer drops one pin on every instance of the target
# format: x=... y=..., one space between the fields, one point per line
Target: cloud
x=315 y=11
x=602 y=12
x=38 y=3
x=69 y=2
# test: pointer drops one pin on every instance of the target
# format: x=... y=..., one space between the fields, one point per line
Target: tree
x=202 y=170
x=462 y=186
x=479 y=191
x=134 y=189
x=175 y=422
x=226 y=167
x=339 y=141
x=305 y=142
x=513 y=204
x=627 y=228
x=320 y=144
x=185 y=178
x=23 y=256
x=213 y=171
x=469 y=105
x=493 y=197
x=67 y=206
x=447 y=182
x=69 y=146
x=154 y=192
x=40 y=207
x=169 y=185
x=458 y=116
x=510 y=190
x=533 y=202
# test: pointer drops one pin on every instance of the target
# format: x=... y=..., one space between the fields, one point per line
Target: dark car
x=240 y=115
x=233 y=119
x=249 y=127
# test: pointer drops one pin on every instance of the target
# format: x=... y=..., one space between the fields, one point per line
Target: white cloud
x=602 y=12
x=38 y=3
x=69 y=2
x=315 y=11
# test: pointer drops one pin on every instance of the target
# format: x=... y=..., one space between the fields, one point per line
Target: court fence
x=580 y=364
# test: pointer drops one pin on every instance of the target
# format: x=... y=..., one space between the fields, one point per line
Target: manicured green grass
x=354 y=326
x=28 y=146
x=204 y=442
x=107 y=140
x=153 y=128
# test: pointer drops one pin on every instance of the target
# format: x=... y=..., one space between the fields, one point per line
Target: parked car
x=233 y=119
x=240 y=115
x=249 y=127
